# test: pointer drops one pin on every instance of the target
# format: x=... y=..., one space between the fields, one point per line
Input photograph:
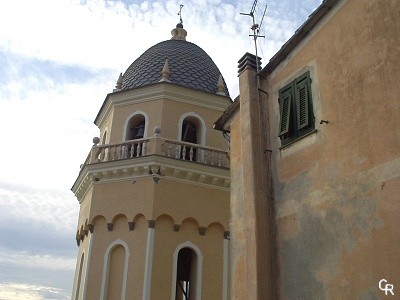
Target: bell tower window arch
x=188 y=122
x=191 y=129
x=135 y=126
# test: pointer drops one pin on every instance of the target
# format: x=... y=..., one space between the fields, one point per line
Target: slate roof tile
x=189 y=66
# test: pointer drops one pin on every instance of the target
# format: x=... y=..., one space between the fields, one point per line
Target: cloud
x=48 y=262
x=16 y=291
x=29 y=206
x=58 y=61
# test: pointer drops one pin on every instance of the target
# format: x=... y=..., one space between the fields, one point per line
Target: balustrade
x=173 y=149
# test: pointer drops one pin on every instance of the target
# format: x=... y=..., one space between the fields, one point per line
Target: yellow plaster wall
x=336 y=192
x=187 y=200
x=126 y=197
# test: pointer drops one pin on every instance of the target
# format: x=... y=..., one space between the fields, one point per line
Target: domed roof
x=189 y=66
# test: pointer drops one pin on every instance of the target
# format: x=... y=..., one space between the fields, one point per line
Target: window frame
x=296 y=110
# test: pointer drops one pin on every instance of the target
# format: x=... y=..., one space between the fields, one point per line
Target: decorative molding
x=227 y=235
x=110 y=226
x=202 y=230
x=173 y=169
x=176 y=227
x=151 y=223
x=131 y=226
x=162 y=91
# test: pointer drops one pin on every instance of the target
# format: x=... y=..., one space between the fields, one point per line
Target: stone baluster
x=112 y=153
x=184 y=152
x=191 y=153
x=126 y=149
x=108 y=154
x=121 y=151
x=102 y=154
x=138 y=149
x=144 y=148
x=132 y=150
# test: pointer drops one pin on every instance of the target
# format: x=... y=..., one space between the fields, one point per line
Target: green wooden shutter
x=302 y=102
x=285 y=107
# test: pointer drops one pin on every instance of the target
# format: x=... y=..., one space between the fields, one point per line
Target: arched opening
x=135 y=130
x=186 y=274
x=189 y=131
x=190 y=134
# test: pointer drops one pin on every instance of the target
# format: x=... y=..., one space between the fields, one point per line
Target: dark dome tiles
x=189 y=66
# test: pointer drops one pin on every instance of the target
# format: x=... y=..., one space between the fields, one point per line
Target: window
x=189 y=135
x=135 y=129
x=296 y=110
x=189 y=132
x=187 y=272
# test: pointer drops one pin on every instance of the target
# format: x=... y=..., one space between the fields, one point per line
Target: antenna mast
x=256 y=27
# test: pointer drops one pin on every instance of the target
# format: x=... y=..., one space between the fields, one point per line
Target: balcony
x=154 y=157
x=178 y=150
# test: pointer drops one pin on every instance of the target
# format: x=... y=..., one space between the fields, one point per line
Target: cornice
x=162 y=91
x=153 y=166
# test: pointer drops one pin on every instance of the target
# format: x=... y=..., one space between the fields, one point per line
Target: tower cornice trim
x=139 y=168
x=159 y=91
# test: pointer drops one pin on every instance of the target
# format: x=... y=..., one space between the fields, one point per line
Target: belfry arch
x=135 y=126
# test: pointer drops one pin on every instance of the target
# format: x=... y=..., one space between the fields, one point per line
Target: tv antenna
x=256 y=27
x=180 y=13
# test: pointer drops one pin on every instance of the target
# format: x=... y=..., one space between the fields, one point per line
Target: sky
x=58 y=61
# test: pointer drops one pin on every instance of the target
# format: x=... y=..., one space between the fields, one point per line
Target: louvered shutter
x=302 y=102
x=285 y=108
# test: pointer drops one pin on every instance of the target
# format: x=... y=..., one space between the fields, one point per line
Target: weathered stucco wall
x=337 y=191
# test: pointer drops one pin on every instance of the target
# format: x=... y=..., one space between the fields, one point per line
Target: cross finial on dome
x=179 y=33
x=180 y=13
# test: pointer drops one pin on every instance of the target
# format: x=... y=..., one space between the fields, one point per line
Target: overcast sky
x=58 y=61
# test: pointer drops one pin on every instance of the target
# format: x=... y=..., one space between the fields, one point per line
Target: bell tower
x=154 y=189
